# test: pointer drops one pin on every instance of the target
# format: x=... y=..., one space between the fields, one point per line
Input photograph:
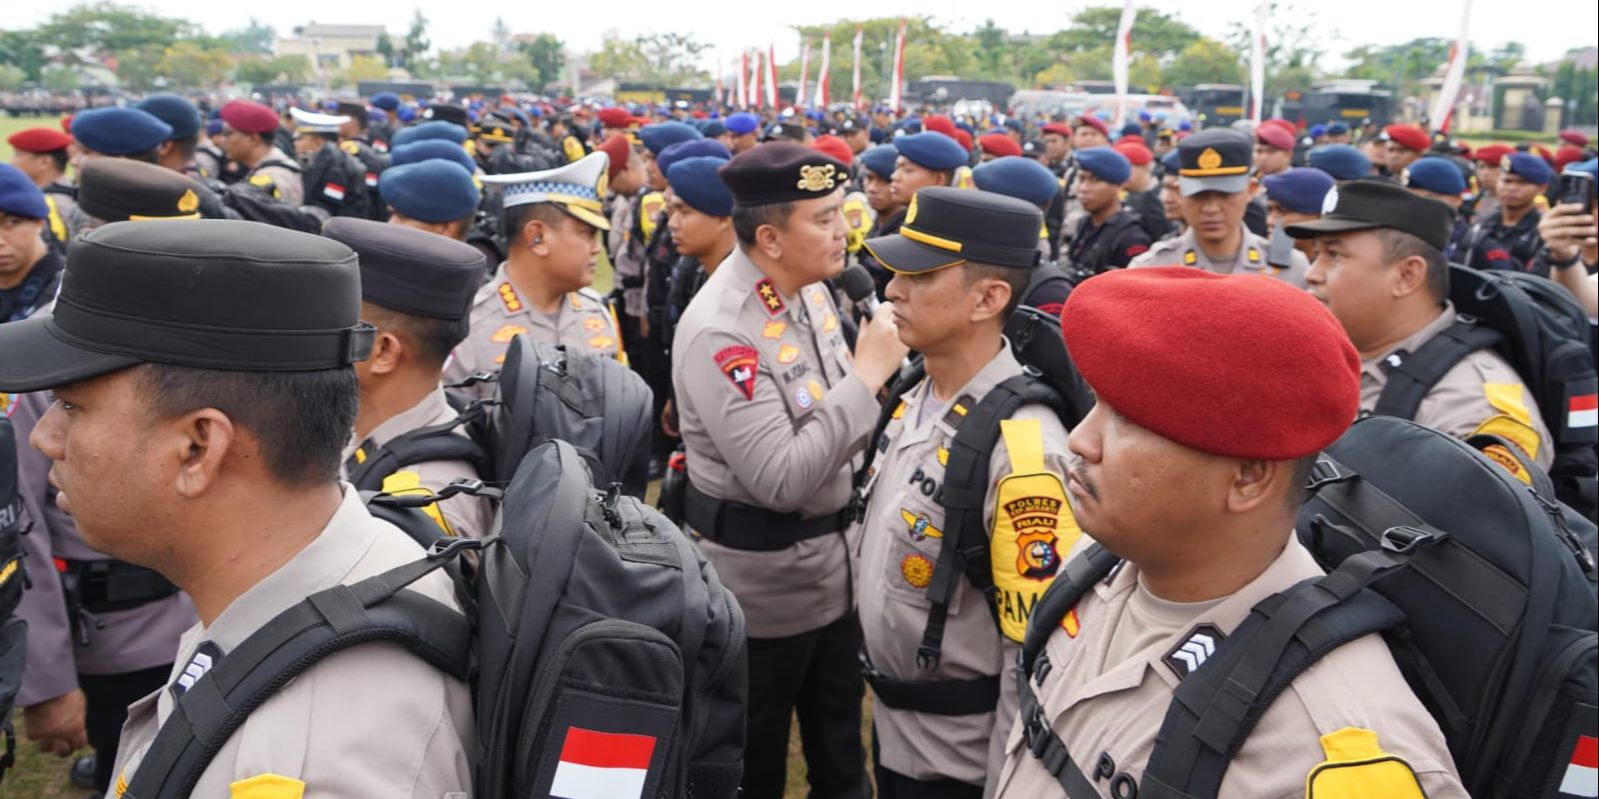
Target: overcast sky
x=732 y=26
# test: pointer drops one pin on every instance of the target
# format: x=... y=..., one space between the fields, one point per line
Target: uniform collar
x=1000 y=368
x=422 y=414
x=1373 y=367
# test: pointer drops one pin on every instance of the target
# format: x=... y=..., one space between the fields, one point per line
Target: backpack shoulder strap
x=885 y=414
x=1415 y=374
x=329 y=621
x=370 y=463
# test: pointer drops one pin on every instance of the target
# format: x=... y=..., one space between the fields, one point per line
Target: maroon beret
x=39 y=140
x=1241 y=366
x=1574 y=137
x=616 y=148
x=1137 y=152
x=1058 y=127
x=250 y=117
x=615 y=117
x=940 y=123
x=999 y=145
x=1092 y=121
x=834 y=146
x=1276 y=137
x=1409 y=137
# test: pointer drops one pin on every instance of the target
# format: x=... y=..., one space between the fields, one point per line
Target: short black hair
x=433 y=339
x=749 y=218
x=516 y=218
x=1017 y=279
x=301 y=419
x=1398 y=245
x=60 y=158
x=187 y=146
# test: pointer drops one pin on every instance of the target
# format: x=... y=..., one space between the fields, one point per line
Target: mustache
x=1075 y=466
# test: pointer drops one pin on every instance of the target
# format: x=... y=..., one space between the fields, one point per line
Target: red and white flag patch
x=334 y=190
x=602 y=765
x=1583 y=411
x=371 y=179
x=1582 y=774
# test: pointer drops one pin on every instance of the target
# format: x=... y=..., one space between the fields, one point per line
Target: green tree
x=110 y=28
x=416 y=41
x=991 y=51
x=254 y=38
x=192 y=65
x=1293 y=47
x=140 y=68
x=12 y=78
x=547 y=55
x=59 y=79
x=1154 y=32
x=671 y=57
x=619 y=58
x=365 y=67
x=24 y=50
x=1205 y=61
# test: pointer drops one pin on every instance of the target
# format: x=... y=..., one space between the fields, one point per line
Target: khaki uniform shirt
x=1482 y=393
x=464 y=515
x=277 y=173
x=1184 y=250
x=627 y=253
x=372 y=720
x=773 y=416
x=582 y=323
x=895 y=551
x=1110 y=711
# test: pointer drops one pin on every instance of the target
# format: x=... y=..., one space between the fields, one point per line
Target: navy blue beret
x=695 y=180
x=1171 y=163
x=418 y=151
x=120 y=131
x=213 y=127
x=662 y=135
x=1301 y=189
x=1342 y=161
x=908 y=125
x=1437 y=175
x=1337 y=129
x=431 y=191
x=1019 y=177
x=1133 y=128
x=880 y=160
x=18 y=195
x=1318 y=131
x=713 y=128
x=1525 y=165
x=447 y=131
x=1106 y=164
x=388 y=101
x=932 y=150
x=375 y=116
x=742 y=123
x=176 y=111
x=690 y=149
x=876 y=134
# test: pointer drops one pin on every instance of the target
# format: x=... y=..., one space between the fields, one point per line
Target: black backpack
x=543 y=392
x=1482 y=591
x=595 y=624
x=1539 y=328
x=13 y=575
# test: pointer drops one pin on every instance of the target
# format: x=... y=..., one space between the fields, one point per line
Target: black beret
x=118 y=189
x=411 y=271
x=780 y=172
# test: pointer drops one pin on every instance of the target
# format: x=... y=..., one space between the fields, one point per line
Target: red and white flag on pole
x=899 y=68
x=1257 y=62
x=855 y=90
x=771 y=76
x=805 y=73
x=760 y=80
x=1118 y=61
x=1443 y=106
x=743 y=79
x=719 y=98
x=821 y=99
x=602 y=765
x=1582 y=773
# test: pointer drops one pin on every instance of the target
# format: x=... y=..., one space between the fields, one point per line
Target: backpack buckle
x=1404 y=539
x=449 y=548
x=1325 y=472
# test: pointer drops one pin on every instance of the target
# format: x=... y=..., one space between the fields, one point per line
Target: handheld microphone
x=861 y=289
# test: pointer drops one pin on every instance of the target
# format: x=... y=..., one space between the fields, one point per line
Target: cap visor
x=1328 y=224
x=585 y=215
x=1228 y=184
x=36 y=359
x=903 y=256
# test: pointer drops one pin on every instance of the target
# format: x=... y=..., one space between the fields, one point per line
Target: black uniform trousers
x=106 y=699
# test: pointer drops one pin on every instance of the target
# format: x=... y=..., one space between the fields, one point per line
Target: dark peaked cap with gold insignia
x=783 y=172
x=119 y=189
x=210 y=294
x=1214 y=160
x=946 y=226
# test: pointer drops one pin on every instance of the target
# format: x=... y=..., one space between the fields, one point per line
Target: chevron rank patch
x=1195 y=648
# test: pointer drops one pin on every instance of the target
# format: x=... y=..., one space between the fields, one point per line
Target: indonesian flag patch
x=334 y=191
x=1582 y=774
x=738 y=364
x=602 y=765
x=1583 y=411
x=371 y=179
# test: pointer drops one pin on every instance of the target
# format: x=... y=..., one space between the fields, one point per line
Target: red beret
x=1409 y=137
x=835 y=147
x=1276 y=137
x=39 y=140
x=1543 y=152
x=999 y=145
x=1135 y=150
x=616 y=148
x=964 y=138
x=250 y=117
x=940 y=123
x=1491 y=153
x=1240 y=366
x=1058 y=127
x=66 y=124
x=615 y=117
x=1092 y=121
x=1568 y=154
x=1575 y=138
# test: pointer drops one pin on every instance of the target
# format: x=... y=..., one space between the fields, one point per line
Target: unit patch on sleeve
x=738 y=364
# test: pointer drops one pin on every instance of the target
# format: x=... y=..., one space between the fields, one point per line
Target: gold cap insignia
x=910 y=213
x=1209 y=159
x=817 y=177
x=189 y=202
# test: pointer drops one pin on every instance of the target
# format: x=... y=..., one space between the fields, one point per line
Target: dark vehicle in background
x=1356 y=103
x=1216 y=105
x=946 y=90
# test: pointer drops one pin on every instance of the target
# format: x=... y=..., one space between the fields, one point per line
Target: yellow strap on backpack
x=58 y=227
x=649 y=213
x=1033 y=527
x=403 y=482
x=1356 y=768
x=573 y=149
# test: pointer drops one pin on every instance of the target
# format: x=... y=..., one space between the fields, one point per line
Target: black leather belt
x=110 y=585
x=736 y=525
x=938 y=697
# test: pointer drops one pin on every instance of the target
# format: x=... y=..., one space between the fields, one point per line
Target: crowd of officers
x=204 y=471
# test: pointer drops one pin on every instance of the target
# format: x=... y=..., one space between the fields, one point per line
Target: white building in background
x=330 y=47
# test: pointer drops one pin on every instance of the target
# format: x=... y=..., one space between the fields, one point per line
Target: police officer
x=416 y=291
x=1274 y=148
x=1295 y=195
x=1199 y=501
x=177 y=152
x=355 y=138
x=1405 y=143
x=1026 y=180
x=30 y=269
x=774 y=415
x=628 y=179
x=699 y=217
x=240 y=507
x=435 y=194
x=1437 y=178
x=249 y=134
x=1141 y=194
x=960 y=266
x=1213 y=179
x=425 y=131
x=923 y=159
x=42 y=154
x=552 y=227
x=121 y=132
x=1507 y=238
x=1380 y=269
x=382 y=130
x=333 y=179
x=1489 y=160
x=1108 y=236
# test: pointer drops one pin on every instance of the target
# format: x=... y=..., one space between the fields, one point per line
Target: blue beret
x=713 y=128
x=18 y=195
x=693 y=148
x=426 y=149
x=1337 y=129
x=909 y=125
x=1133 y=129
x=1019 y=177
x=1106 y=164
x=519 y=114
x=438 y=129
x=876 y=134
x=1143 y=116
x=375 y=115
x=431 y=191
x=1015 y=124
x=406 y=114
x=965 y=127
x=1342 y=161
x=1300 y=189
x=120 y=131
x=1317 y=131
x=1185 y=125
x=176 y=111
x=1526 y=165
x=880 y=160
x=388 y=101
x=695 y=180
x=1591 y=166
x=1171 y=162
x=742 y=123
x=661 y=135
x=1437 y=175
x=213 y=127
x=932 y=150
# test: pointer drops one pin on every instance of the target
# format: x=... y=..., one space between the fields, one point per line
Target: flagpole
x=1124 y=33
x=805 y=73
x=1257 y=63
x=773 y=98
x=822 y=79
x=855 y=89
x=1443 y=106
x=894 y=92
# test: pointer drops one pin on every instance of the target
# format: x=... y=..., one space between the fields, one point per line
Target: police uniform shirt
x=372 y=720
x=627 y=254
x=1108 y=712
x=1184 y=250
x=582 y=323
x=1481 y=394
x=280 y=175
x=895 y=550
x=772 y=416
x=463 y=515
